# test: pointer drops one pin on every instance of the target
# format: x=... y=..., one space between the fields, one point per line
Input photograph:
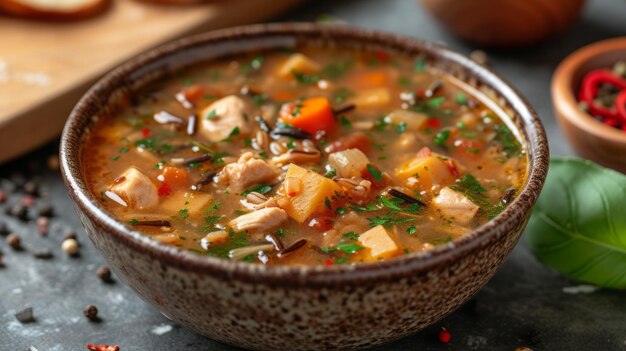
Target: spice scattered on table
x=91 y=312
x=444 y=335
x=43 y=254
x=479 y=56
x=4 y=229
x=93 y=347
x=53 y=162
x=18 y=211
x=26 y=315
x=70 y=247
x=3 y=197
x=43 y=226
x=28 y=201
x=14 y=241
x=602 y=95
x=46 y=211
x=104 y=273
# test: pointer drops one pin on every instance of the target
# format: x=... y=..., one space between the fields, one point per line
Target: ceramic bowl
x=299 y=308
x=505 y=23
x=590 y=138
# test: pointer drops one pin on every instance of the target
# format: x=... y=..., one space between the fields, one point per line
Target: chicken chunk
x=260 y=220
x=455 y=205
x=247 y=171
x=136 y=189
x=224 y=115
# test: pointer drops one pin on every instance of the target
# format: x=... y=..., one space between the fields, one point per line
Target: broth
x=315 y=156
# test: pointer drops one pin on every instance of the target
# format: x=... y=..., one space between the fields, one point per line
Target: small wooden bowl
x=505 y=23
x=590 y=138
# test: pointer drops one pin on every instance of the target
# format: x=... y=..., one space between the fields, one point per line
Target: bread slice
x=54 y=10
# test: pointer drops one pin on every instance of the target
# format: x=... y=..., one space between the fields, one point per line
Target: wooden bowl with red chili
x=589 y=95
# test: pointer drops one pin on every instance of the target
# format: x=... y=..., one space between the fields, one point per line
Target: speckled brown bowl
x=590 y=138
x=300 y=308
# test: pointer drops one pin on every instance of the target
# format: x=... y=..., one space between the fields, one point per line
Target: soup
x=304 y=157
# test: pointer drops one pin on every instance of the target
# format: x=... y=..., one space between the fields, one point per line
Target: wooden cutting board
x=46 y=67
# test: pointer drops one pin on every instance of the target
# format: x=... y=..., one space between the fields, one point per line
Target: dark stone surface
x=524 y=305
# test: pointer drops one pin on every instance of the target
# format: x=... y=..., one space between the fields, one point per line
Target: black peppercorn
x=14 y=241
x=46 y=211
x=91 y=312
x=31 y=188
x=104 y=273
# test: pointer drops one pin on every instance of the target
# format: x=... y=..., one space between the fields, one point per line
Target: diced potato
x=455 y=205
x=348 y=163
x=136 y=189
x=299 y=63
x=193 y=202
x=376 y=97
x=379 y=243
x=430 y=170
x=414 y=121
x=218 y=120
x=315 y=189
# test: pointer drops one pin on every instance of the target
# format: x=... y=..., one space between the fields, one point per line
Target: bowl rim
x=309 y=276
x=563 y=94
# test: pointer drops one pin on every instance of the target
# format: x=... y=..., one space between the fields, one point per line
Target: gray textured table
x=526 y=303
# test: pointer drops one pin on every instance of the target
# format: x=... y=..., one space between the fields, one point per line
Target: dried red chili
x=589 y=92
x=93 y=347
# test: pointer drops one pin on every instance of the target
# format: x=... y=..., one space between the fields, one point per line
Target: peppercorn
x=25 y=316
x=4 y=229
x=91 y=312
x=43 y=254
x=444 y=335
x=42 y=226
x=18 y=211
x=53 y=162
x=104 y=273
x=31 y=188
x=46 y=211
x=70 y=247
x=14 y=241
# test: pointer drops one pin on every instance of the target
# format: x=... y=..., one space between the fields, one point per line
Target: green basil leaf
x=578 y=226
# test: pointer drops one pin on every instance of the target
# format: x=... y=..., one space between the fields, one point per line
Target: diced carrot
x=372 y=79
x=310 y=115
x=193 y=93
x=175 y=177
x=284 y=96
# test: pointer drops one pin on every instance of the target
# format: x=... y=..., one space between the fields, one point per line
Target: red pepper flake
x=145 y=132
x=420 y=92
x=322 y=223
x=164 y=189
x=382 y=56
x=329 y=262
x=93 y=347
x=433 y=123
x=444 y=335
x=452 y=168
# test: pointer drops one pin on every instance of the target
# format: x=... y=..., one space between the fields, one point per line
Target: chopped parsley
x=375 y=172
x=411 y=230
x=211 y=114
x=420 y=65
x=442 y=137
x=259 y=188
x=461 y=98
x=303 y=78
x=184 y=213
x=351 y=235
x=401 y=127
x=505 y=137
x=345 y=122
